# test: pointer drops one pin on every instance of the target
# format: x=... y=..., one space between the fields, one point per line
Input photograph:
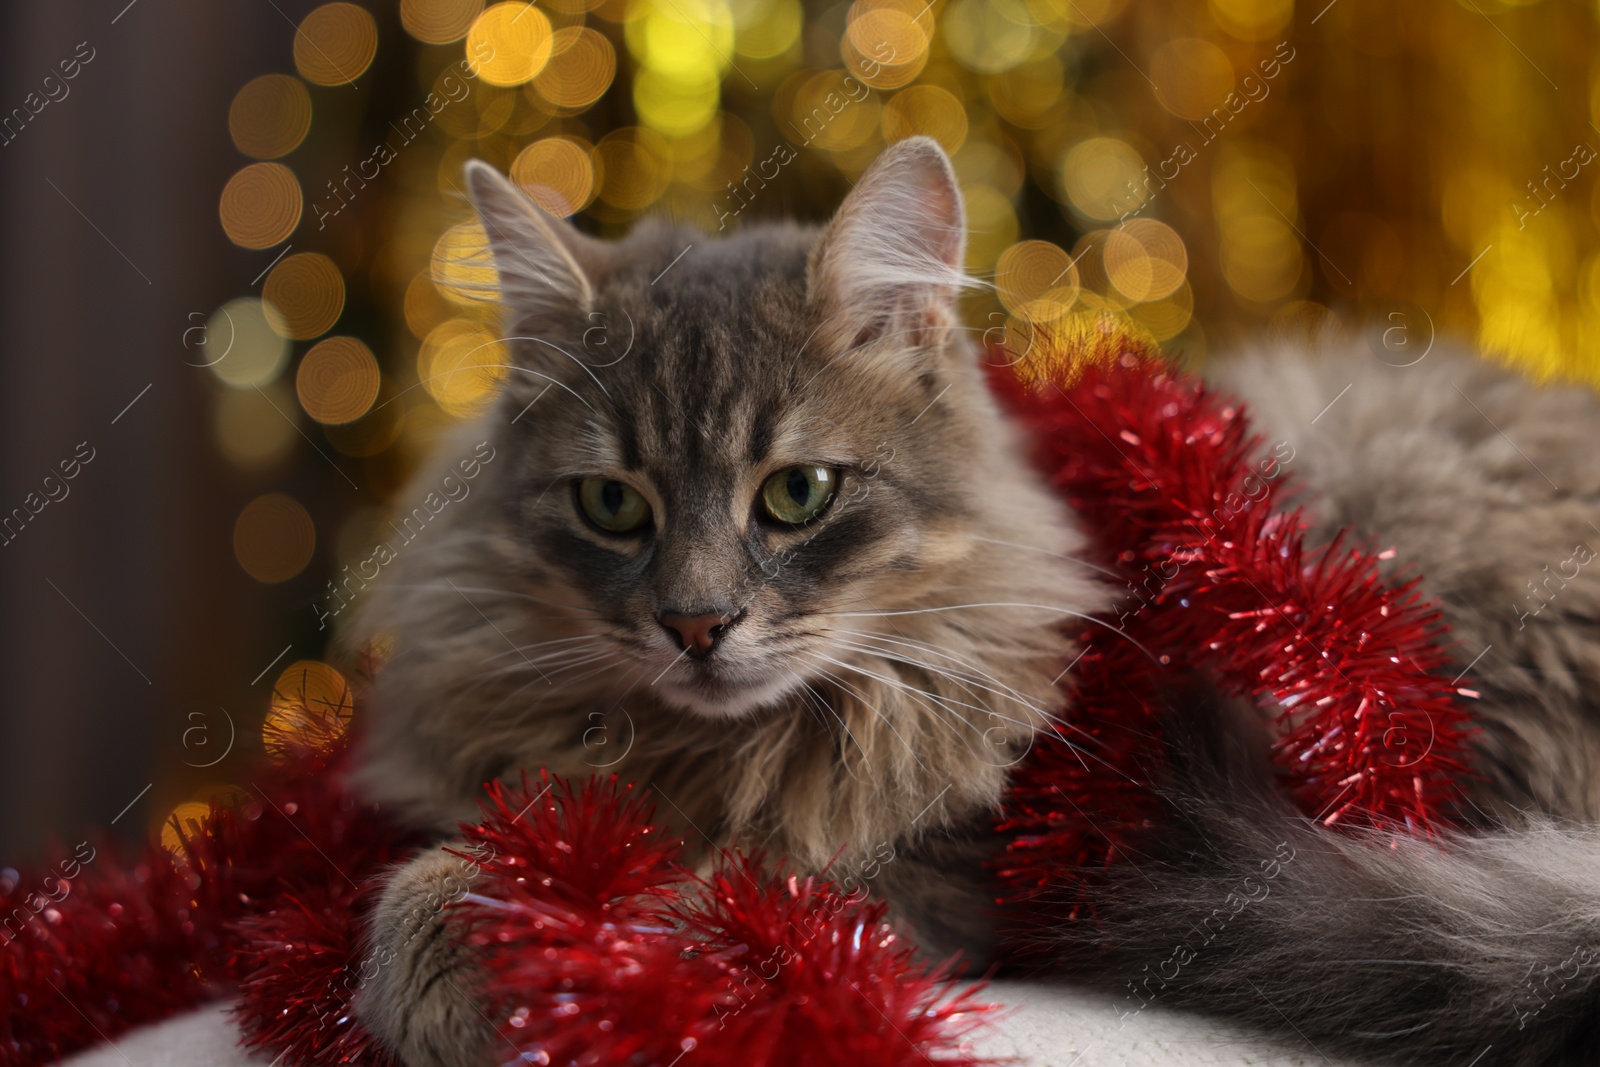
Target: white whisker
x=807 y=693
x=974 y=669
x=960 y=683
x=922 y=696
x=869 y=705
x=1054 y=609
x=523 y=649
x=1054 y=555
x=566 y=683
x=1029 y=727
x=563 y=661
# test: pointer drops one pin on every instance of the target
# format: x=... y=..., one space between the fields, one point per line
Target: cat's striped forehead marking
x=735 y=424
x=707 y=380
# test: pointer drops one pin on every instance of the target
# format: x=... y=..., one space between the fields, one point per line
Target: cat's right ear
x=535 y=254
x=889 y=265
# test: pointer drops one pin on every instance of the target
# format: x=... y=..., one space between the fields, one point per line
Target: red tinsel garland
x=133 y=939
x=595 y=946
x=599 y=948
x=1220 y=584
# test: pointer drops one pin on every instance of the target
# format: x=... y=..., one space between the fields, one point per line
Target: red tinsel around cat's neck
x=593 y=939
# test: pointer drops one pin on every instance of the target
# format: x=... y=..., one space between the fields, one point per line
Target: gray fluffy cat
x=755 y=535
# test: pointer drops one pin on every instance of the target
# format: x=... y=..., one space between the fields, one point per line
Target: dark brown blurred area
x=124 y=621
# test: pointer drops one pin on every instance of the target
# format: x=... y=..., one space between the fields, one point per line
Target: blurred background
x=234 y=248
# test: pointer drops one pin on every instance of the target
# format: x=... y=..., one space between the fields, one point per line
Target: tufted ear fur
x=888 y=267
x=537 y=256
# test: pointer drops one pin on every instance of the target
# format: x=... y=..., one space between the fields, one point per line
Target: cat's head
x=754 y=532
x=749 y=465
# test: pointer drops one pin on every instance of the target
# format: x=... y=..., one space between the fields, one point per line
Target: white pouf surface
x=1045 y=1026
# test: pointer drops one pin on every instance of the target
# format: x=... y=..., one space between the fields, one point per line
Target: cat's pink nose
x=698 y=634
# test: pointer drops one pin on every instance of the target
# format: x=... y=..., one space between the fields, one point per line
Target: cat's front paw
x=417 y=997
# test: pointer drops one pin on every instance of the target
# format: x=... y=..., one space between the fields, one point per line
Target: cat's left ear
x=889 y=264
x=538 y=257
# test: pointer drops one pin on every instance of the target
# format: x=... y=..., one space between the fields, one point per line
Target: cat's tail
x=1476 y=950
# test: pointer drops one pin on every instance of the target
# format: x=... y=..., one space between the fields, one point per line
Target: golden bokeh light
x=260 y=205
x=463 y=265
x=886 y=44
x=270 y=116
x=311 y=705
x=509 y=43
x=1029 y=95
x=683 y=49
x=338 y=380
x=1036 y=281
x=581 y=67
x=686 y=39
x=454 y=158
x=274 y=538
x=1168 y=316
x=558 y=173
x=439 y=21
x=307 y=291
x=827 y=111
x=335 y=44
x=767 y=29
x=927 y=110
x=532 y=113
x=882 y=75
x=245 y=345
x=993 y=163
x=888 y=32
x=1101 y=177
x=1145 y=259
x=250 y=427
x=1096 y=291
x=635 y=167
x=677 y=108
x=992 y=36
x=992 y=226
x=461 y=365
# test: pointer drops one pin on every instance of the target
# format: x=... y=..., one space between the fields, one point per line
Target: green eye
x=616 y=507
x=797 y=495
